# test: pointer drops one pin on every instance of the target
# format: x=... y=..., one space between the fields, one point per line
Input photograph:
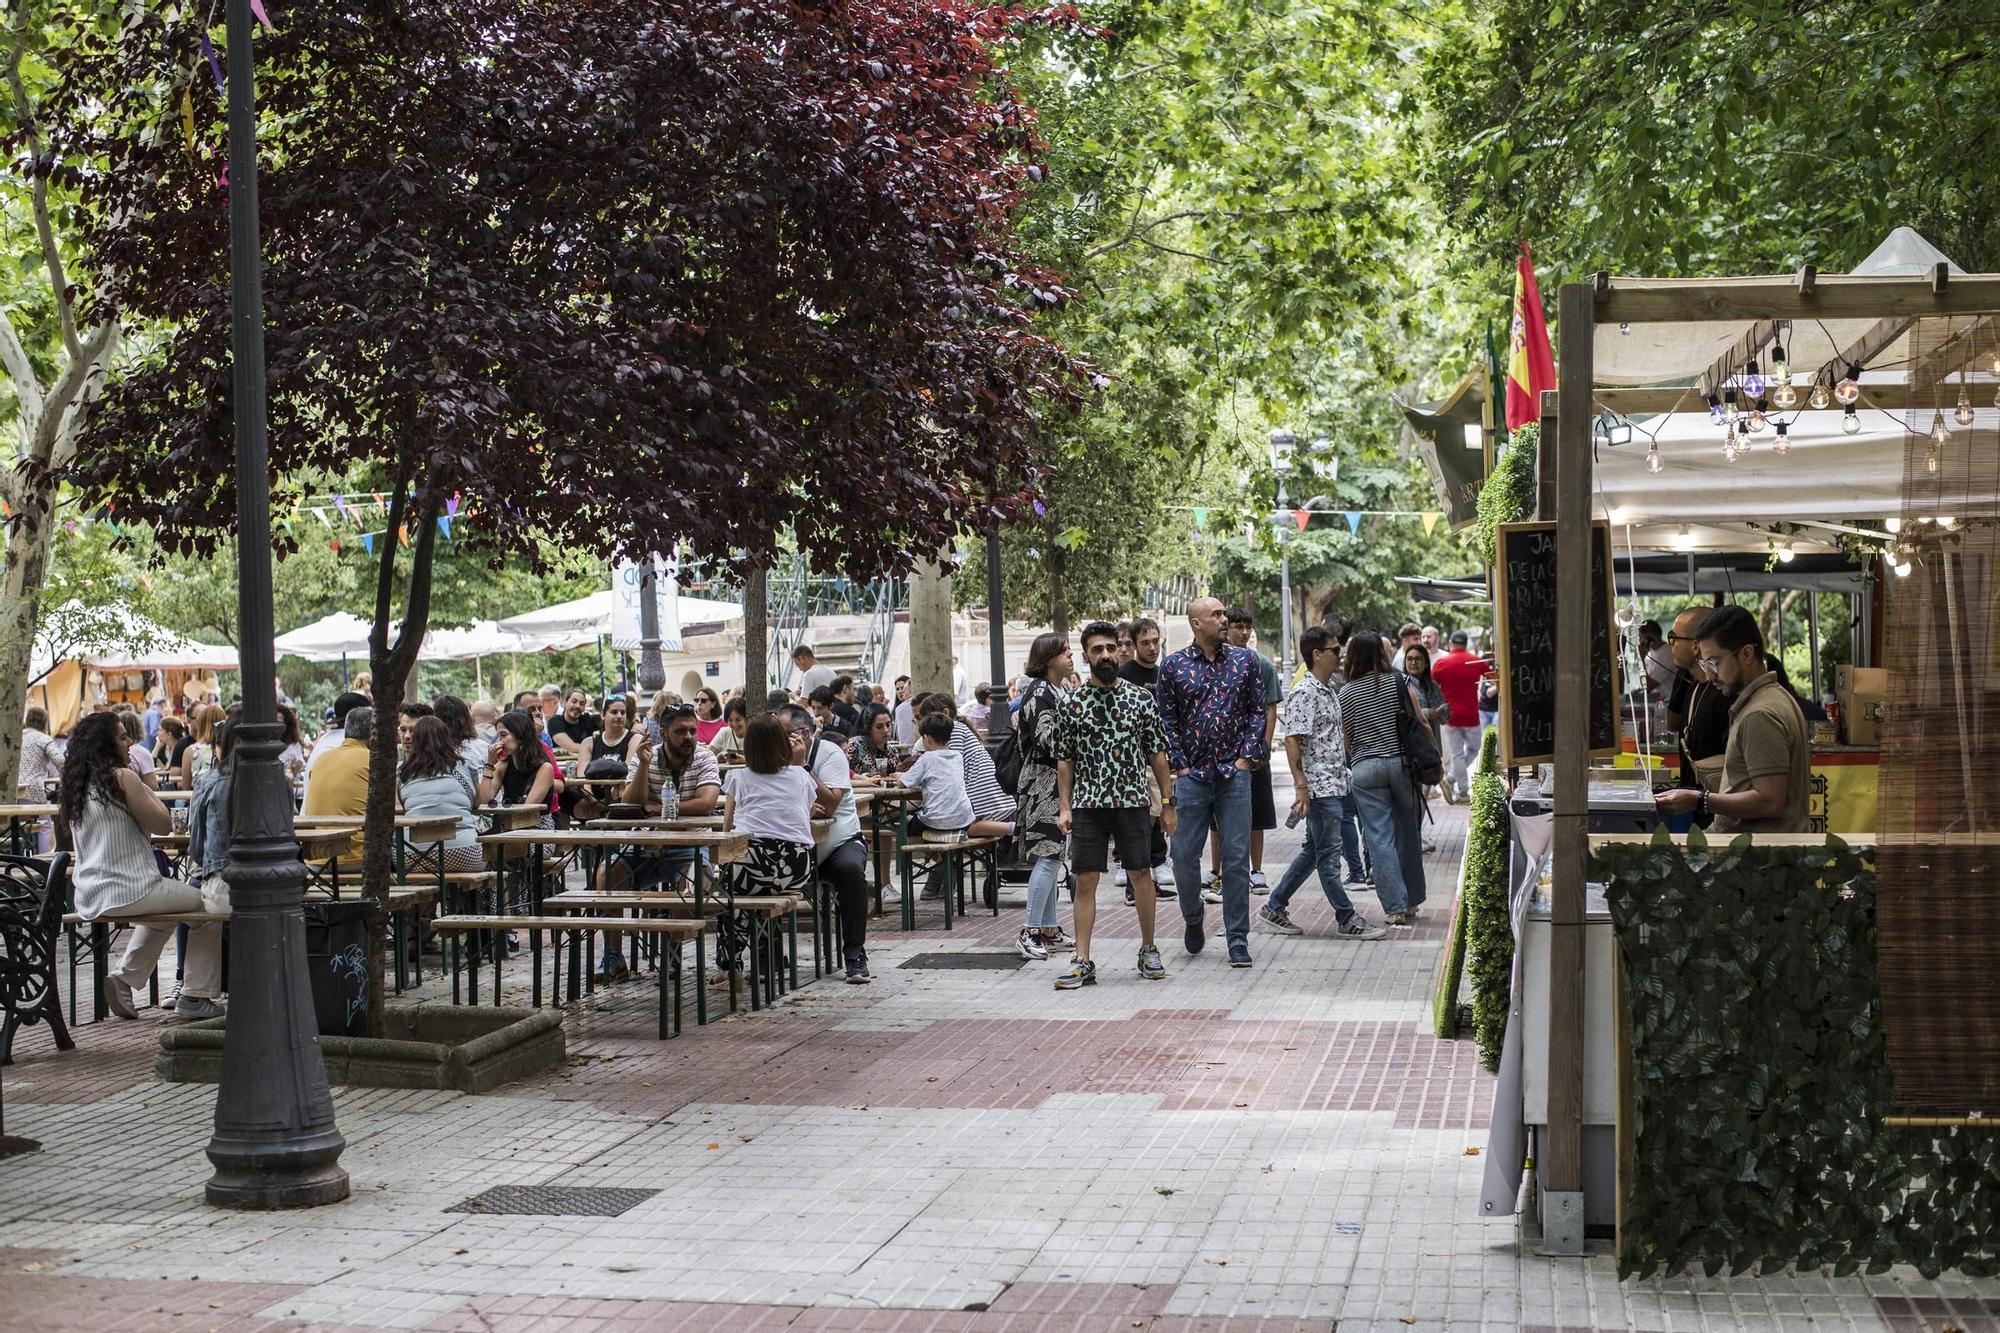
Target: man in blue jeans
x=1211 y=699
x=1310 y=724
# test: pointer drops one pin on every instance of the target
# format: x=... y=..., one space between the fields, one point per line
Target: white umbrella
x=326 y=640
x=480 y=639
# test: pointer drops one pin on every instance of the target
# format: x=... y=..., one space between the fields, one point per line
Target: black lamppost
x=652 y=671
x=1000 y=721
x=275 y=1144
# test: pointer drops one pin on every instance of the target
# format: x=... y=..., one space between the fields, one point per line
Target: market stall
x=1787 y=1086
x=151 y=662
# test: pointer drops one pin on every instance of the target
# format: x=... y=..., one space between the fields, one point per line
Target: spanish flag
x=1531 y=366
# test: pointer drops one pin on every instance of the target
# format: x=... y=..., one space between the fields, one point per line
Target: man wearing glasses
x=1696 y=708
x=1767 y=764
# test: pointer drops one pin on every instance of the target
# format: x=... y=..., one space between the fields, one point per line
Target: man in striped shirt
x=1211 y=699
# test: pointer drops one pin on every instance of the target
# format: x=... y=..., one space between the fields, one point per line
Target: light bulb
x=1849 y=389
x=1653 y=462
x=1934 y=458
x=1849 y=422
x=1715 y=409
x=1785 y=395
x=1892 y=525
x=1624 y=328
x=1899 y=560
x=1729 y=404
x=1945 y=520
x=1820 y=396
x=1756 y=422
x=1785 y=553
x=1963 y=416
x=1783 y=444
x=1683 y=539
x=1753 y=380
x=1939 y=431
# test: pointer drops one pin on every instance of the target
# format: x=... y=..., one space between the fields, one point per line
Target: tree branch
x=83 y=363
x=69 y=429
x=27 y=386
x=1138 y=231
x=51 y=255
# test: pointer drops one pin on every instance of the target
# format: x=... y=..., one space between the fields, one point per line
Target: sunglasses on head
x=677 y=711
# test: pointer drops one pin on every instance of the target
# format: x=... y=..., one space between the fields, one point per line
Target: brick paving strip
x=1284 y=1148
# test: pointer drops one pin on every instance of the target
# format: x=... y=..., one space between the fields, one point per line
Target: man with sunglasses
x=1767 y=764
x=1697 y=709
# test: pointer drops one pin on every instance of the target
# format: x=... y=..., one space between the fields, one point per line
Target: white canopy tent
x=579 y=623
x=326 y=640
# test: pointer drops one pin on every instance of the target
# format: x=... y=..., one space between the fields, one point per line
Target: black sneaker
x=1080 y=972
x=857 y=973
x=1195 y=936
x=1130 y=901
x=1239 y=955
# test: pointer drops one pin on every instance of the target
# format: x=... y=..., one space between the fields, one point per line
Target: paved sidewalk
x=1284 y=1148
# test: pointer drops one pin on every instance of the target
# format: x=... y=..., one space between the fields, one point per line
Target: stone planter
x=449 y=1047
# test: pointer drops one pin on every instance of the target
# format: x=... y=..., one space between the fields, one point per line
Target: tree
x=55 y=388
x=1583 y=130
x=616 y=276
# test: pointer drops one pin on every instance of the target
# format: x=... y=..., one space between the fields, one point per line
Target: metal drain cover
x=553 y=1201
x=966 y=962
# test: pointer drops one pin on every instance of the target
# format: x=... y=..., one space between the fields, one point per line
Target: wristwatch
x=1166 y=802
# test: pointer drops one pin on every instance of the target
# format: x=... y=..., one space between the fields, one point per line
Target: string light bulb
x=1684 y=539
x=1848 y=391
x=1900 y=561
x=1939 y=432
x=1753 y=380
x=1729 y=405
x=1963 y=414
x=1757 y=421
x=1945 y=521
x=1785 y=396
x=1654 y=464
x=1821 y=397
x=1783 y=444
x=1849 y=422
x=1934 y=458
x=1892 y=525
x=1715 y=409
x=1785 y=552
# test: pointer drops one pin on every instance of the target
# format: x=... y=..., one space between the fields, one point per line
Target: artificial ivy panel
x=1489 y=931
x=1760 y=1074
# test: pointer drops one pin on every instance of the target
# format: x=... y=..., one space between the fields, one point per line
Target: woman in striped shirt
x=1391 y=806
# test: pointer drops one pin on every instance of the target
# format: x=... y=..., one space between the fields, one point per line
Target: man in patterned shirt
x=1310 y=724
x=1211 y=700
x=1107 y=734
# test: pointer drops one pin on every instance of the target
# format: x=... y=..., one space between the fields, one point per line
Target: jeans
x=1461 y=747
x=1389 y=816
x=1350 y=837
x=1322 y=852
x=1044 y=892
x=1227 y=804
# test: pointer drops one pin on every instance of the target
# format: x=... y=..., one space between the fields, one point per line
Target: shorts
x=918 y=829
x=1094 y=828
x=1263 y=806
x=773 y=865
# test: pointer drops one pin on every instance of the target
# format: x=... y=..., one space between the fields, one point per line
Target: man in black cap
x=335 y=734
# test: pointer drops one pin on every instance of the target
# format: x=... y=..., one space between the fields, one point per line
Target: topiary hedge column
x=1488 y=931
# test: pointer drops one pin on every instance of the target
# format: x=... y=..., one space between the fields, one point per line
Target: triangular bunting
x=1431 y=521
x=1354 y=521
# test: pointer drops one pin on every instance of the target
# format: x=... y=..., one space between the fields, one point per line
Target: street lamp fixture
x=275 y=1145
x=1282 y=442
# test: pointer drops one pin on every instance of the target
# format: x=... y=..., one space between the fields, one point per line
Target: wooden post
x=1561 y=1161
x=1545 y=462
x=756 y=639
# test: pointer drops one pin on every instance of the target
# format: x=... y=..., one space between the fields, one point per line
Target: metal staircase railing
x=885 y=594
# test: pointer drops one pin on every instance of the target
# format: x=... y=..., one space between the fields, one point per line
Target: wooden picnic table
x=597 y=842
x=19 y=815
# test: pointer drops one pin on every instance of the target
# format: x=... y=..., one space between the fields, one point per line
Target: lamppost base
x=254 y=1176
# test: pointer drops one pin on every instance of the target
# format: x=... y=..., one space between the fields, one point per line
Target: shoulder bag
x=1418 y=743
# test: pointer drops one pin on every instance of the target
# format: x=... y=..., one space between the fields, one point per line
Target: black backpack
x=1007 y=762
x=1421 y=759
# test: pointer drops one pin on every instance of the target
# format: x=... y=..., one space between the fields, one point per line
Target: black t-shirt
x=576 y=732
x=1705 y=713
x=1140 y=674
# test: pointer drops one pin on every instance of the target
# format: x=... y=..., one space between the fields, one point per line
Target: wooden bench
x=952 y=864
x=672 y=930
x=769 y=973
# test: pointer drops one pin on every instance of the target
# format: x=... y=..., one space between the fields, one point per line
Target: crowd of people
x=1123 y=757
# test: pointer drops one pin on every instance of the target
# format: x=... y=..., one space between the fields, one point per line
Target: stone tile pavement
x=1284 y=1148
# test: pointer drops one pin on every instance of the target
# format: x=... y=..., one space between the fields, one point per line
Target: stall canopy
x=326 y=640
x=1659 y=376
x=578 y=624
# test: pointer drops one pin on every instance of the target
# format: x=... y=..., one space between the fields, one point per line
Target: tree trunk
x=1058 y=603
x=392 y=666
x=20 y=612
x=930 y=630
x=756 y=639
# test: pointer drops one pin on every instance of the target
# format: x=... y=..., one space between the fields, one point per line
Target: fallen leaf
x=713 y=1146
x=607 y=1057
x=746 y=1137
x=1162 y=1191
x=461 y=1251
x=931 y=1079
x=1243 y=1103
x=1409 y=1319
x=858 y=1106
x=1472 y=1152
x=1219 y=1263
x=645 y=1083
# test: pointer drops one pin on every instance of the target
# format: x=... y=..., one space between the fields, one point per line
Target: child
x=770 y=798
x=939 y=773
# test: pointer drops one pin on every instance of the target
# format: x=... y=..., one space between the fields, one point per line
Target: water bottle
x=1292 y=819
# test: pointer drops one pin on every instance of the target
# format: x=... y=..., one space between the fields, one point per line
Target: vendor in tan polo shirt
x=1767 y=768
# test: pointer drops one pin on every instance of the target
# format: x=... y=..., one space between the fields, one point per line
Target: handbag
x=1415 y=739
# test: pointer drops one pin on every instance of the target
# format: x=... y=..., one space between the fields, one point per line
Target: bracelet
x=1701 y=804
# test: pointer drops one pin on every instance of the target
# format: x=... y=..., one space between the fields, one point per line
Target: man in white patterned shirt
x=1310 y=724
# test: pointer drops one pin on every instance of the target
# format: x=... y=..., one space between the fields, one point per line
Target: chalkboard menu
x=1526 y=607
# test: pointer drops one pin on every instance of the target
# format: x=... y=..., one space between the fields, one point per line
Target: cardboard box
x=1863 y=693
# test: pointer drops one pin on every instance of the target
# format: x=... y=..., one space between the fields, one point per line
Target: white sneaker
x=1163 y=874
x=1121 y=879
x=1030 y=947
x=1211 y=895
x=1258 y=883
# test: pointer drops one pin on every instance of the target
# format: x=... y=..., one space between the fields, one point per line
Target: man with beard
x=1107 y=737
x=1144 y=671
x=1211 y=699
x=1767 y=766
x=572 y=731
x=1697 y=709
x=697 y=780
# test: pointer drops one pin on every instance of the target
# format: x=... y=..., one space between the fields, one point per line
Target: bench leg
x=100 y=967
x=396 y=942
x=535 y=963
x=945 y=871
x=905 y=868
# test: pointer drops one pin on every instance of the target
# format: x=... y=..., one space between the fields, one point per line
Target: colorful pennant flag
x=1430 y=521
x=1302 y=517
x=368 y=542
x=1200 y=520
x=1531 y=365
x=1354 y=521
x=444 y=525
x=214 y=65
x=187 y=116
x=451 y=507
x=257 y=8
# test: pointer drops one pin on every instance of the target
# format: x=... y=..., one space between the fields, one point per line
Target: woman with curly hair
x=110 y=816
